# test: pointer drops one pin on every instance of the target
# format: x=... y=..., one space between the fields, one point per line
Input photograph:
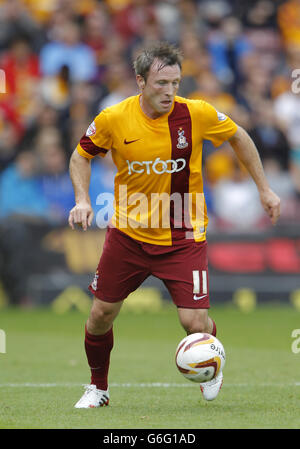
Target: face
x=159 y=90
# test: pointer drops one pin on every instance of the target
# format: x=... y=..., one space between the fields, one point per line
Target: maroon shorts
x=125 y=263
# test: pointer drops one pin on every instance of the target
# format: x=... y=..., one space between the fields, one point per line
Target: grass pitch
x=44 y=367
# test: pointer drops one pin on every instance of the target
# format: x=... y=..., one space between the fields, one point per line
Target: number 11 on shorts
x=197 y=284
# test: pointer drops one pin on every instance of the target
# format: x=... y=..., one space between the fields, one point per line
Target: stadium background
x=64 y=61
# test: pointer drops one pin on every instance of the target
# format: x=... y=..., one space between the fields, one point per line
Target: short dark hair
x=164 y=51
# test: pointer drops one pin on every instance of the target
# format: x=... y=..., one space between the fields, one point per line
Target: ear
x=140 y=81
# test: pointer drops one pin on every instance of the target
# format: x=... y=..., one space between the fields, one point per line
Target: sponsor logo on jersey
x=158 y=166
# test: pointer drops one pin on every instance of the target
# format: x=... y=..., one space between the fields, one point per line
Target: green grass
x=45 y=351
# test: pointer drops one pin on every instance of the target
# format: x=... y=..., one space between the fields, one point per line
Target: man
x=155 y=140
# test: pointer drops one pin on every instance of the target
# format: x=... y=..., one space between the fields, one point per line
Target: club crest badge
x=181 y=141
x=94 y=284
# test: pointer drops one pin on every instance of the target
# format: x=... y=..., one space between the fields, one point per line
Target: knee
x=101 y=317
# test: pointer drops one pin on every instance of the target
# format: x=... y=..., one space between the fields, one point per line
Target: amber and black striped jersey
x=158 y=186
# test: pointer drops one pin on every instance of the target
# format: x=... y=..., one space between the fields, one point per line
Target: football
x=200 y=357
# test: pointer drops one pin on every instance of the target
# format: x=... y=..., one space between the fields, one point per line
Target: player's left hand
x=271 y=204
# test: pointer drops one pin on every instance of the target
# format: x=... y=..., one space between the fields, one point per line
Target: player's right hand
x=82 y=215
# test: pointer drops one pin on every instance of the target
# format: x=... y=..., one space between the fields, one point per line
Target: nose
x=169 y=90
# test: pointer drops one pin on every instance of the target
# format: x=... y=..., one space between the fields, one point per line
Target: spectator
x=236 y=203
x=168 y=19
x=287 y=111
x=78 y=116
x=46 y=116
x=119 y=83
x=191 y=18
x=261 y=16
x=16 y=20
x=95 y=29
x=69 y=50
x=270 y=141
x=219 y=165
x=11 y=132
x=20 y=193
x=21 y=67
x=227 y=46
x=55 y=90
x=256 y=83
x=55 y=183
x=131 y=21
x=289 y=22
x=197 y=61
x=210 y=89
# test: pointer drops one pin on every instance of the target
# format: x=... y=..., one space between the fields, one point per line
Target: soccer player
x=159 y=224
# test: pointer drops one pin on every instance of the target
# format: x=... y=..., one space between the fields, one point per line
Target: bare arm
x=247 y=153
x=80 y=173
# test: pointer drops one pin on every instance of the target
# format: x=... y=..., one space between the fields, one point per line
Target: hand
x=271 y=204
x=82 y=214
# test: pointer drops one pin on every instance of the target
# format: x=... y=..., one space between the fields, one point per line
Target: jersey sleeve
x=97 y=140
x=218 y=127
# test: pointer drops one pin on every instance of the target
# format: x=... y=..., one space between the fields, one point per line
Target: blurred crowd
x=66 y=60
